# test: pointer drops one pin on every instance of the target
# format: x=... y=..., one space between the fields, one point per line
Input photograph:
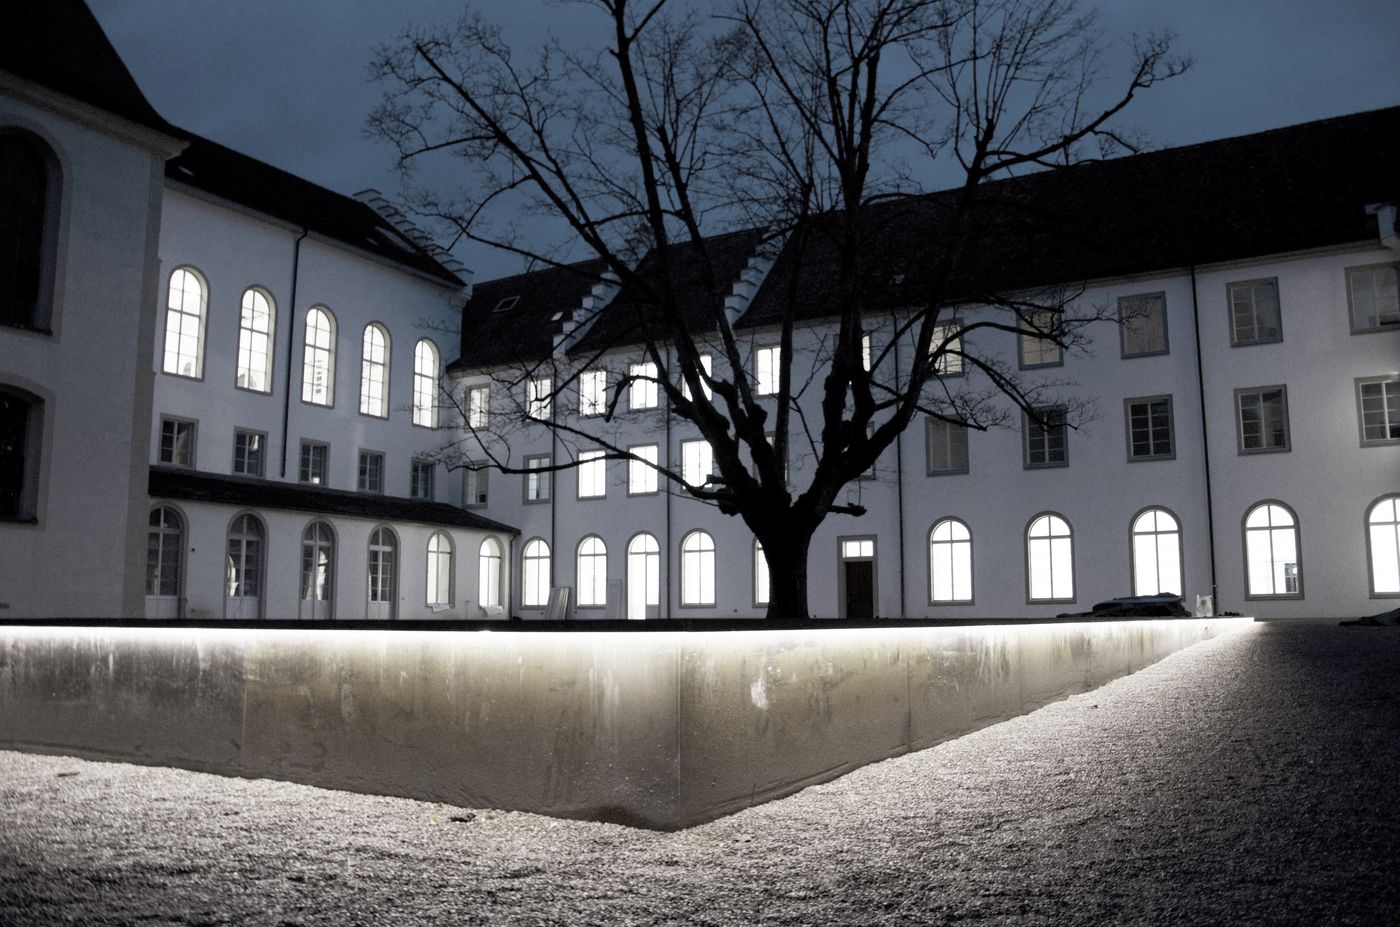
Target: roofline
x=165 y=144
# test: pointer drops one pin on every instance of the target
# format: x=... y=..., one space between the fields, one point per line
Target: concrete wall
x=662 y=729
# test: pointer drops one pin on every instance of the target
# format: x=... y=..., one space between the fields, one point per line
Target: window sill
x=16 y=520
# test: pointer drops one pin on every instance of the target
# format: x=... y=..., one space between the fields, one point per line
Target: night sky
x=287 y=82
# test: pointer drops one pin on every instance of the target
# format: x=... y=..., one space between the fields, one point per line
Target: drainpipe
x=670 y=364
x=291 y=342
x=1205 y=441
x=553 y=500
x=899 y=499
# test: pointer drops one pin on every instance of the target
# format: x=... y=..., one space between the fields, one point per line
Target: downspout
x=670 y=364
x=553 y=500
x=291 y=341
x=1205 y=441
x=899 y=499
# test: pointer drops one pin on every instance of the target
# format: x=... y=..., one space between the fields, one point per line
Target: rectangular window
x=177 y=442
x=248 y=452
x=1374 y=297
x=641 y=393
x=1041 y=351
x=866 y=357
x=1262 y=414
x=1150 y=428
x=474 y=482
x=479 y=406
x=641 y=474
x=946 y=338
x=761 y=584
x=947 y=447
x=1378 y=402
x=537 y=398
x=371 y=472
x=1142 y=320
x=592 y=475
x=1045 y=438
x=697 y=462
x=707 y=364
x=593 y=392
x=768 y=363
x=538 y=478
x=313 y=463
x=421 y=484
x=1254 y=312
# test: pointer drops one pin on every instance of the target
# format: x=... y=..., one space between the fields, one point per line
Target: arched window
x=255 y=323
x=318 y=359
x=439 y=583
x=1383 y=539
x=698 y=569
x=1049 y=560
x=643 y=576
x=21 y=436
x=184 y=324
x=1272 y=568
x=244 y=572
x=425 y=384
x=1156 y=553
x=592 y=572
x=950 y=562
x=317 y=571
x=535 y=574
x=761 y=586
x=488 y=574
x=29 y=187
x=374 y=372
x=164 y=544
x=383 y=575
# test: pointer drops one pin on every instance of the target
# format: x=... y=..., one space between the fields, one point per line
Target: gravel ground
x=1247 y=780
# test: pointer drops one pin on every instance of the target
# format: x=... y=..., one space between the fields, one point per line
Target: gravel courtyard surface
x=1247 y=780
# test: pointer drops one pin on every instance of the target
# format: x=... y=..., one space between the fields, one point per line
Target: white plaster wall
x=84 y=557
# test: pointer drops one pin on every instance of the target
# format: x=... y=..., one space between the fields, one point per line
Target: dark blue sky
x=286 y=80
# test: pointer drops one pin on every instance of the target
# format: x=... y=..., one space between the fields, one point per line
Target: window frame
x=362 y=473
x=697 y=558
x=332 y=544
x=650 y=573
x=932 y=425
x=1297 y=549
x=394 y=547
x=43 y=320
x=948 y=336
x=637 y=471
x=1128 y=428
x=32 y=456
x=270 y=350
x=193 y=424
x=478 y=409
x=1230 y=289
x=476 y=472
x=1023 y=340
x=589 y=461
x=367 y=368
x=1392 y=422
x=203 y=322
x=526 y=558
x=539 y=399
x=590 y=406
x=490 y=570
x=760 y=566
x=1287 y=445
x=1356 y=329
x=261 y=472
x=544 y=479
x=302 y=459
x=180 y=532
x=1027 y=423
x=311 y=352
x=417 y=467
x=425 y=384
x=767 y=358
x=1123 y=325
x=433 y=570
x=709 y=450
x=971 y=599
x=643 y=390
x=1073 y=560
x=262 y=537
x=1367 y=527
x=578 y=572
x=1132 y=548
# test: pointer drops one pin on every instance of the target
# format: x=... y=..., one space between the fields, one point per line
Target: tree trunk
x=786 y=550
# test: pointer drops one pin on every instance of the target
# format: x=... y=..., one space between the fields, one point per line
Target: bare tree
x=817 y=123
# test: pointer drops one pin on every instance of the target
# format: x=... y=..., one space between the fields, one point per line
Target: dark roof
x=229 y=175
x=171 y=483
x=59 y=44
x=525 y=328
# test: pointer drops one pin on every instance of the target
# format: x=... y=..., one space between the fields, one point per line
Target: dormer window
x=506 y=303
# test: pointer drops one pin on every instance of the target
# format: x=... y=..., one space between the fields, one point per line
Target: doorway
x=857 y=578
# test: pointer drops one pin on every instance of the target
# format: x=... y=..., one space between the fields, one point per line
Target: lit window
x=313 y=463
x=177 y=442
x=950 y=562
x=593 y=392
x=1156 y=553
x=641 y=470
x=439 y=581
x=164 y=546
x=534 y=579
x=248 y=452
x=1050 y=560
x=707 y=364
x=1262 y=416
x=318 y=359
x=1272 y=566
x=425 y=384
x=21 y=422
x=184 y=324
x=641 y=393
x=1045 y=438
x=1143 y=324
x=244 y=568
x=474 y=483
x=592 y=475
x=946 y=349
x=698 y=569
x=28 y=214
x=592 y=572
x=1383 y=539
x=371 y=472
x=643 y=576
x=1375 y=302
x=1041 y=350
x=537 y=398
x=255 y=342
x=1378 y=400
x=538 y=478
x=858 y=549
x=865 y=353
x=1254 y=312
x=478 y=406
x=947 y=447
x=1150 y=428
x=761 y=585
x=317 y=571
x=374 y=372
x=421 y=479
x=768 y=364
x=697 y=462
x=383 y=573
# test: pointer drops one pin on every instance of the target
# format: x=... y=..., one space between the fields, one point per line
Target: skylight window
x=506 y=303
